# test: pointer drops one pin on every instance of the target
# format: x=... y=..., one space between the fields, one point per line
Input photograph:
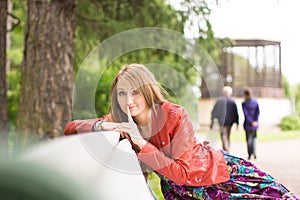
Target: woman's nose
x=129 y=99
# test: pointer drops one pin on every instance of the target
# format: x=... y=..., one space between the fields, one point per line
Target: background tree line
x=43 y=44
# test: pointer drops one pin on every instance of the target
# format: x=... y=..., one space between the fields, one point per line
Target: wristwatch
x=98 y=124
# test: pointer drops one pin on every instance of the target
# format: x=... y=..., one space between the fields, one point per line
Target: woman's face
x=129 y=96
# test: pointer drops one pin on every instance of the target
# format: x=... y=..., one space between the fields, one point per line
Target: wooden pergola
x=253 y=63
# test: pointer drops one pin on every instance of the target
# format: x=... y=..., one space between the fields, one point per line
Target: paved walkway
x=281 y=159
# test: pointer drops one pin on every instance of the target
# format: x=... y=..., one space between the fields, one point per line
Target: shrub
x=291 y=122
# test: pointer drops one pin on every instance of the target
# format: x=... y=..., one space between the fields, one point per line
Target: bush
x=291 y=122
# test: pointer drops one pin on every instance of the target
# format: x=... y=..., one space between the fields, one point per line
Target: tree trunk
x=4 y=122
x=47 y=69
x=8 y=27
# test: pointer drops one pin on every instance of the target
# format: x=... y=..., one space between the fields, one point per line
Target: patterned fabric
x=246 y=182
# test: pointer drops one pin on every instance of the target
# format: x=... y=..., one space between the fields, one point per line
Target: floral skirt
x=246 y=182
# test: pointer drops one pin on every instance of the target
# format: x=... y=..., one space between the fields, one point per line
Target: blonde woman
x=162 y=136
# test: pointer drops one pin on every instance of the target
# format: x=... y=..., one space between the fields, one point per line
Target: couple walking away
x=226 y=112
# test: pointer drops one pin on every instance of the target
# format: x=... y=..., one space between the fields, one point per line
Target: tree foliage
x=15 y=55
x=98 y=20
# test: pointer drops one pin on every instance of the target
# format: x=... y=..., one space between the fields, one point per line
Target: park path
x=281 y=159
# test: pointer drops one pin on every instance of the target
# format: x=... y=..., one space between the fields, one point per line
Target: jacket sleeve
x=236 y=114
x=174 y=166
x=214 y=113
x=247 y=115
x=81 y=126
x=257 y=112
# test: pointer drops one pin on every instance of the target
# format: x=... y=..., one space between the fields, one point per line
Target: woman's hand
x=255 y=124
x=131 y=128
x=109 y=126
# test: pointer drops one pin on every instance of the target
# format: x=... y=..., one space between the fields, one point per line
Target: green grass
x=239 y=136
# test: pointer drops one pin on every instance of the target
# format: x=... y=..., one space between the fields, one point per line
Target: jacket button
x=163 y=143
x=199 y=180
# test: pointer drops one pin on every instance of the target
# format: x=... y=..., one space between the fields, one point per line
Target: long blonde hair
x=143 y=80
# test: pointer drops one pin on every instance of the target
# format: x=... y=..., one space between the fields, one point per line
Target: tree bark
x=8 y=27
x=47 y=69
x=4 y=121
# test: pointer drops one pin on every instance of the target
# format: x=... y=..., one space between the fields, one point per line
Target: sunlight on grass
x=284 y=135
x=240 y=136
x=266 y=136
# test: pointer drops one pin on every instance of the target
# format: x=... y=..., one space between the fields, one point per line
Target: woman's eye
x=121 y=93
x=135 y=92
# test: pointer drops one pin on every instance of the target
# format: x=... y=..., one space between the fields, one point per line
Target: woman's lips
x=132 y=107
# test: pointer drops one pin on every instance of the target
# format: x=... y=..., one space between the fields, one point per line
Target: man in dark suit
x=225 y=110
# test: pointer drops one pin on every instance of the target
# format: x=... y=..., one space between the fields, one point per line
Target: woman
x=162 y=135
x=251 y=113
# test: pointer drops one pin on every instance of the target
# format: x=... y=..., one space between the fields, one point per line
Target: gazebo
x=254 y=63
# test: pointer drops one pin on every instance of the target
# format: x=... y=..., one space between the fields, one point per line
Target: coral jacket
x=173 y=150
